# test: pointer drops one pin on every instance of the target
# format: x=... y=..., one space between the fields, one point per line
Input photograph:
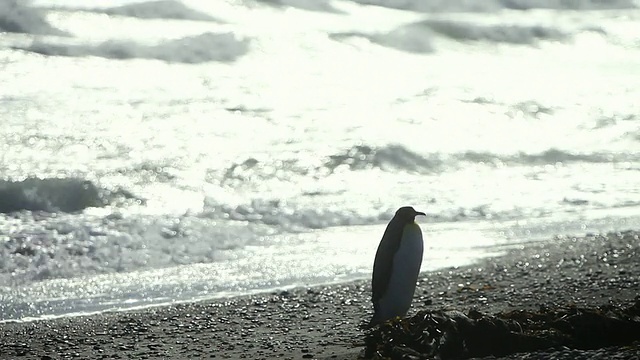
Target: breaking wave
x=390 y=158
x=74 y=194
x=404 y=38
x=309 y=5
x=387 y=158
x=417 y=37
x=223 y=47
x=513 y=34
x=21 y=19
x=547 y=157
x=67 y=247
x=54 y=195
x=496 y=5
x=161 y=9
x=394 y=158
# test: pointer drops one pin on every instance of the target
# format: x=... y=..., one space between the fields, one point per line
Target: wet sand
x=325 y=322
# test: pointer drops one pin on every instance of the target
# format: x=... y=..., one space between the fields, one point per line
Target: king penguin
x=396 y=266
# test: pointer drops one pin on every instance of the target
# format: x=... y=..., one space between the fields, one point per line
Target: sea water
x=163 y=151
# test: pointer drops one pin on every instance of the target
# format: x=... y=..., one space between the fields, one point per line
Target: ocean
x=156 y=152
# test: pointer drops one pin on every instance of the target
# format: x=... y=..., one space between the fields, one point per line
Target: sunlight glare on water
x=159 y=151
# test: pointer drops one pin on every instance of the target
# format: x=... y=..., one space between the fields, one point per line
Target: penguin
x=396 y=266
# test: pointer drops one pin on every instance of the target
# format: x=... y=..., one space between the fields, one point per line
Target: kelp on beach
x=454 y=335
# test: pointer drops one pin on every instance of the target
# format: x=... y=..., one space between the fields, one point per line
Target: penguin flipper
x=382 y=268
x=383 y=264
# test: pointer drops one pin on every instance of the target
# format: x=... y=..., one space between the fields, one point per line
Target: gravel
x=326 y=322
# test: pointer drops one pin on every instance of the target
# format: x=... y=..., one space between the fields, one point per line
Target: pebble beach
x=326 y=322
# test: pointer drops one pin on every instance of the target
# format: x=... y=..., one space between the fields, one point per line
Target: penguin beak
x=420 y=213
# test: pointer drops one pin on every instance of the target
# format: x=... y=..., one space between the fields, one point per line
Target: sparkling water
x=164 y=151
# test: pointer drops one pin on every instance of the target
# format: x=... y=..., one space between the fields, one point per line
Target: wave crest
x=512 y=34
x=309 y=5
x=550 y=156
x=404 y=38
x=223 y=47
x=16 y=18
x=387 y=158
x=417 y=37
x=161 y=9
x=497 y=5
x=393 y=158
x=54 y=195
x=356 y=158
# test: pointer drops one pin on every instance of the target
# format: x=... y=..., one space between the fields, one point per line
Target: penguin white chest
x=404 y=273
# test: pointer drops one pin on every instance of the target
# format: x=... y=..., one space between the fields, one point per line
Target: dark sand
x=324 y=322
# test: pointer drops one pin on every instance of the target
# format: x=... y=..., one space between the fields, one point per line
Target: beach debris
x=446 y=334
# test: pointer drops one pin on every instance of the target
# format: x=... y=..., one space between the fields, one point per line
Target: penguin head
x=407 y=214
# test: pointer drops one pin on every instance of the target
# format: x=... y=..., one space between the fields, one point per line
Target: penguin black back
x=383 y=264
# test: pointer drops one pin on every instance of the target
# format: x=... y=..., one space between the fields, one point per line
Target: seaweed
x=446 y=334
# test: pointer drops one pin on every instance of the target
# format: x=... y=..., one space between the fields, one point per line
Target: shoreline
x=324 y=322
